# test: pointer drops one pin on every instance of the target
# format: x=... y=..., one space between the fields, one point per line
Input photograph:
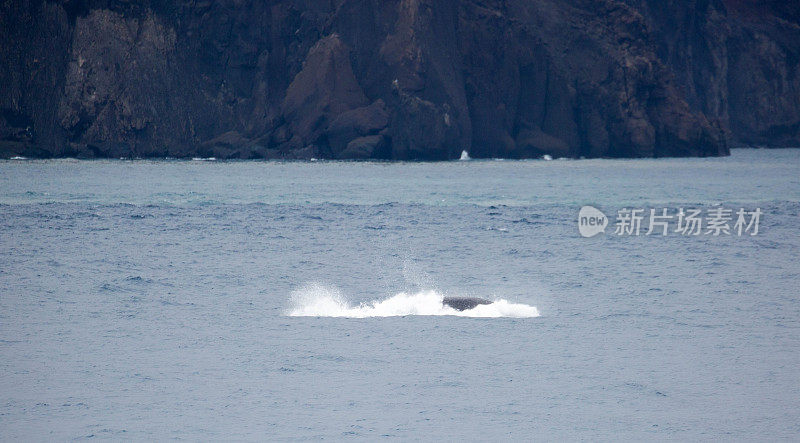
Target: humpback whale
x=464 y=303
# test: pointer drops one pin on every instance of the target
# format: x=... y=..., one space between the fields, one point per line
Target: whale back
x=464 y=303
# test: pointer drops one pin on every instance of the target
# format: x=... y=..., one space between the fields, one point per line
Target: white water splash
x=315 y=300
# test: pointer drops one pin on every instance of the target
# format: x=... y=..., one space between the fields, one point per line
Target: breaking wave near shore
x=315 y=300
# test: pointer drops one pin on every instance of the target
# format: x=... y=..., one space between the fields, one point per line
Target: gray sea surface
x=202 y=300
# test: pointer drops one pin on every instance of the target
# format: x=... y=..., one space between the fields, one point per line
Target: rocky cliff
x=736 y=61
x=401 y=79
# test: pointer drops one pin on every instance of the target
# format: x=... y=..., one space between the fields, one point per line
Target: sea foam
x=316 y=300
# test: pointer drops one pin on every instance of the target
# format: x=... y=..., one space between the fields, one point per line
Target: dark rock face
x=34 y=45
x=736 y=61
x=402 y=79
x=355 y=124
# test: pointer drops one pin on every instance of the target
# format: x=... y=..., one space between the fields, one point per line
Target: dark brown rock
x=421 y=129
x=116 y=80
x=356 y=123
x=324 y=89
x=371 y=146
x=736 y=61
x=412 y=79
x=233 y=145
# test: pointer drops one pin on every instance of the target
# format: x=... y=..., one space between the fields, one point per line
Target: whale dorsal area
x=464 y=303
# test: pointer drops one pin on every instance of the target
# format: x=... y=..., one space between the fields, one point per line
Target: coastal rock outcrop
x=735 y=61
x=404 y=79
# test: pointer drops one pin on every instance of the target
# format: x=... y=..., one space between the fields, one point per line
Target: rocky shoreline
x=400 y=80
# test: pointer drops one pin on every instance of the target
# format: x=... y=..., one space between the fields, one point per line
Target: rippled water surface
x=251 y=300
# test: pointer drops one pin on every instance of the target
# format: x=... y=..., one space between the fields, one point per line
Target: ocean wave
x=316 y=300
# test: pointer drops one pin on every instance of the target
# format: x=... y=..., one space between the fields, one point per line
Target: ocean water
x=265 y=300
